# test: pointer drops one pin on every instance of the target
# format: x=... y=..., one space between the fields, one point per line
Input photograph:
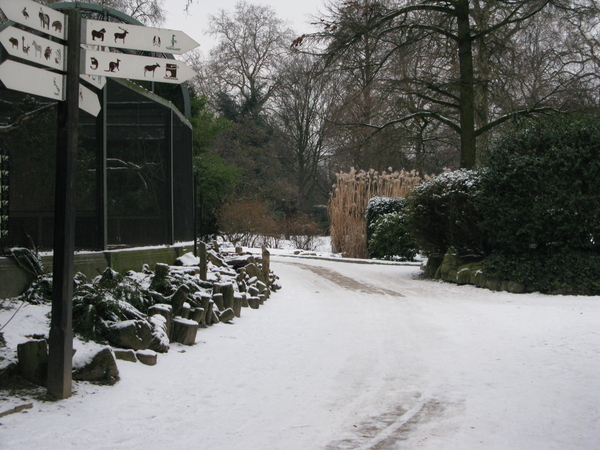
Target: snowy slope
x=352 y=356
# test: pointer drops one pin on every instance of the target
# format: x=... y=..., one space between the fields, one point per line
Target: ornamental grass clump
x=348 y=203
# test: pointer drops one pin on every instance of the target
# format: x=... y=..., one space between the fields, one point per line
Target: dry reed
x=348 y=204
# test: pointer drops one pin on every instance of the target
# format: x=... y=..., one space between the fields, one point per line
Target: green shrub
x=443 y=213
x=377 y=207
x=565 y=272
x=542 y=187
x=391 y=239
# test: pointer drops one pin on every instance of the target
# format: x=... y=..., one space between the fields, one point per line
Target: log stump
x=254 y=302
x=184 y=331
x=33 y=361
x=218 y=300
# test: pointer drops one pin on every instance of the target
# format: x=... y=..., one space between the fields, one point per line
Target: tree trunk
x=468 y=149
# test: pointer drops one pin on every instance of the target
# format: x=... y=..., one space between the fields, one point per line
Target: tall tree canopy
x=467 y=64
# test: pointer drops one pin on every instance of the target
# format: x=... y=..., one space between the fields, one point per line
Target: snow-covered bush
x=387 y=235
x=390 y=239
x=443 y=213
x=377 y=207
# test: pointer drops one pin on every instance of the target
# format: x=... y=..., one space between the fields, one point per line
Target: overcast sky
x=294 y=12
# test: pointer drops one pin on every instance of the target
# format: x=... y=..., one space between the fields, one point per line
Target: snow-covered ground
x=348 y=356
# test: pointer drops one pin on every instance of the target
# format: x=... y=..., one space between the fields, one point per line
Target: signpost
x=36 y=16
x=24 y=78
x=93 y=66
x=34 y=48
x=119 y=35
x=135 y=67
x=29 y=79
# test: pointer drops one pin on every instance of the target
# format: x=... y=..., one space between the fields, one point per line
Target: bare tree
x=149 y=12
x=302 y=102
x=252 y=42
x=458 y=44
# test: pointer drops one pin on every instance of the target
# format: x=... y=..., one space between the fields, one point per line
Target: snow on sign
x=121 y=65
x=29 y=79
x=137 y=37
x=36 y=16
x=34 y=48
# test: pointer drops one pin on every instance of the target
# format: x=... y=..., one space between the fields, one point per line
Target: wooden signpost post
x=71 y=96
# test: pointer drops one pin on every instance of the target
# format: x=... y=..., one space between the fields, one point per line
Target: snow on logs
x=186 y=299
x=232 y=282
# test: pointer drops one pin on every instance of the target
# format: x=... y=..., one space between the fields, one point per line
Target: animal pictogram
x=113 y=65
x=44 y=19
x=98 y=34
x=47 y=53
x=37 y=49
x=121 y=35
x=57 y=25
x=151 y=68
x=14 y=42
x=25 y=13
x=93 y=63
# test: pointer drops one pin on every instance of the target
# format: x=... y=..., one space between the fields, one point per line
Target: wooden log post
x=184 y=331
x=164 y=310
x=237 y=305
x=60 y=342
x=203 y=260
x=266 y=264
x=254 y=302
x=178 y=299
x=218 y=300
x=198 y=315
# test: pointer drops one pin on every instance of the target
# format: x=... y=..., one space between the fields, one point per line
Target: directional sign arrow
x=31 y=80
x=136 y=37
x=33 y=48
x=134 y=67
x=94 y=80
x=36 y=16
x=89 y=101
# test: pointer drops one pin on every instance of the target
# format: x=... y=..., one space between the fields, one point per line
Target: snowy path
x=352 y=356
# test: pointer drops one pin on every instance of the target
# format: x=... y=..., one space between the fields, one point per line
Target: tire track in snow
x=346 y=282
x=387 y=431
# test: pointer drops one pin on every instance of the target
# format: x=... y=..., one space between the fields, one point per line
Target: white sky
x=195 y=24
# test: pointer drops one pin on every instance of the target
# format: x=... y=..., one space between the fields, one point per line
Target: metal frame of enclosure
x=134 y=174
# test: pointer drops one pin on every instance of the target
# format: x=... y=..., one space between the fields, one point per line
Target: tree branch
x=25 y=117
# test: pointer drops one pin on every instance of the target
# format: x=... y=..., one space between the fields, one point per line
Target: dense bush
x=443 y=213
x=387 y=234
x=551 y=272
x=391 y=239
x=542 y=187
x=377 y=207
x=533 y=212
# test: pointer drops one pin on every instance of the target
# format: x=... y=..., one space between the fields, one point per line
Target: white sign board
x=134 y=67
x=31 y=80
x=36 y=16
x=34 y=48
x=137 y=37
x=89 y=101
x=95 y=80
